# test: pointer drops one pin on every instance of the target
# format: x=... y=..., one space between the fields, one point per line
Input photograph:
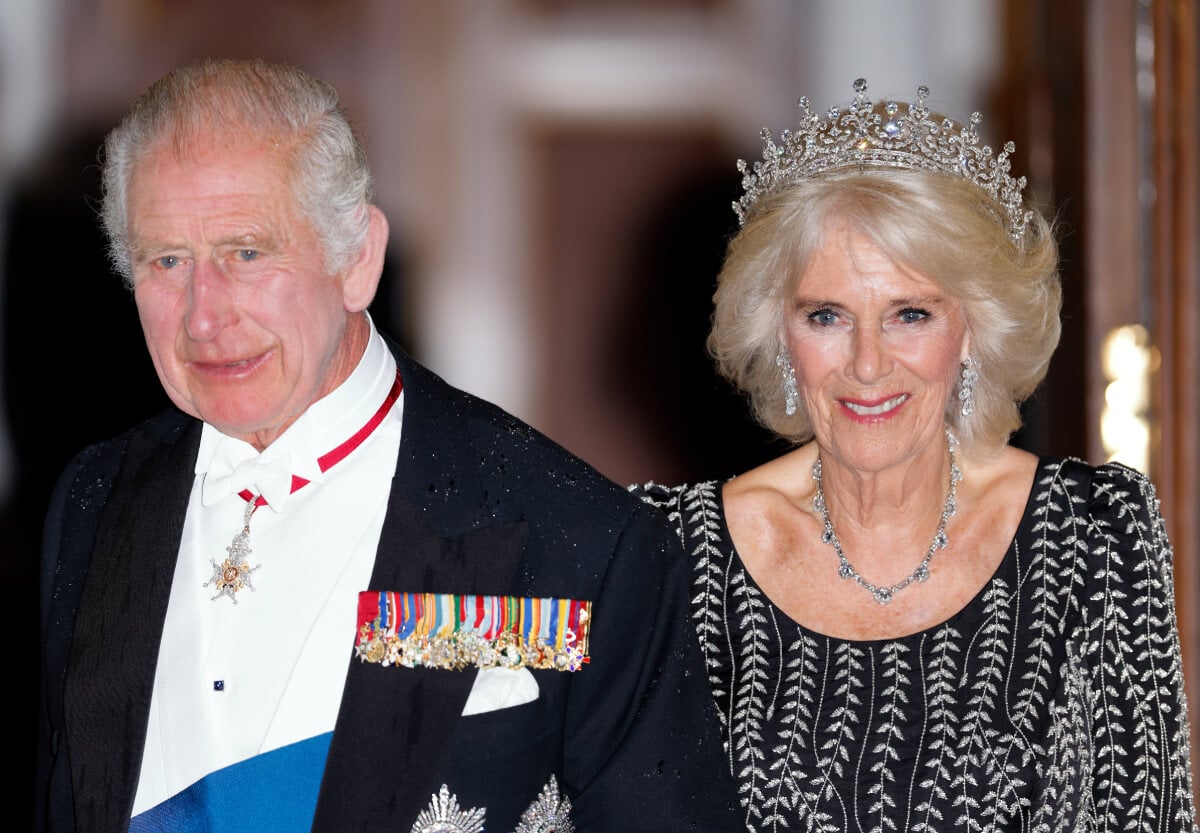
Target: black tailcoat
x=480 y=503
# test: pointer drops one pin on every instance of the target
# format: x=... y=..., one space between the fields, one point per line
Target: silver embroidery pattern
x=548 y=813
x=1053 y=702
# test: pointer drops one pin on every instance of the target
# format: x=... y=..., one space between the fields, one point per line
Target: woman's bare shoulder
x=788 y=476
x=1002 y=479
x=764 y=505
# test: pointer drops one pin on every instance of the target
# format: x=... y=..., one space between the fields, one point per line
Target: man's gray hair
x=248 y=98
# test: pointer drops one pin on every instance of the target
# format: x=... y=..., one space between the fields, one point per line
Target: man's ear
x=361 y=278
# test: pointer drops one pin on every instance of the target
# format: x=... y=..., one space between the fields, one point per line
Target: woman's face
x=876 y=349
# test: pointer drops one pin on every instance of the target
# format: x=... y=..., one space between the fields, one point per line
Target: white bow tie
x=273 y=480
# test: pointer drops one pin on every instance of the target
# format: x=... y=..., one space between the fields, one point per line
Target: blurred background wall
x=558 y=176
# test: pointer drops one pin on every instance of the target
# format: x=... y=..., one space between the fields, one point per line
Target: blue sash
x=275 y=792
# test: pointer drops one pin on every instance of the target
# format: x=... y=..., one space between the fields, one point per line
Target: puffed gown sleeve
x=1141 y=778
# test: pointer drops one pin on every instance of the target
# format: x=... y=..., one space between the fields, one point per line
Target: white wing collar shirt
x=235 y=680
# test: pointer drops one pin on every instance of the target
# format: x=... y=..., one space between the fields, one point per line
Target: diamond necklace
x=883 y=595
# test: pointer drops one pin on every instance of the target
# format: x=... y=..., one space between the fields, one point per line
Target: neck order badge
x=232 y=574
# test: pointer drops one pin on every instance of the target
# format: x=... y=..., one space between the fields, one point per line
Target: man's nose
x=211 y=305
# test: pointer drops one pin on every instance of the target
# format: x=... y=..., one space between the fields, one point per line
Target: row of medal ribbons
x=450 y=630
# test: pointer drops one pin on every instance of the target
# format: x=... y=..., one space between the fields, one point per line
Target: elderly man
x=332 y=592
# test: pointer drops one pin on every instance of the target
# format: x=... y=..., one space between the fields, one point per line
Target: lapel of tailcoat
x=439 y=536
x=118 y=626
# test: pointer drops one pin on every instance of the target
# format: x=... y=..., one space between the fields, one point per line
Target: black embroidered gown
x=1052 y=702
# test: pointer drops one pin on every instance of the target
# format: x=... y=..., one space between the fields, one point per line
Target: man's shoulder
x=505 y=448
x=164 y=427
x=510 y=448
x=100 y=461
x=451 y=408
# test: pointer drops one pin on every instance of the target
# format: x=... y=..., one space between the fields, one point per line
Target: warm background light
x=1129 y=361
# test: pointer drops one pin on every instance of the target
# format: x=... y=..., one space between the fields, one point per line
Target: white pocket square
x=500 y=688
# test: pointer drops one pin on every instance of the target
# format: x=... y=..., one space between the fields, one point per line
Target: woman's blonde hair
x=939 y=225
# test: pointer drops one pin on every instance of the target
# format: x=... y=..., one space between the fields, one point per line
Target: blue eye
x=913 y=315
x=824 y=317
x=247 y=254
x=167 y=262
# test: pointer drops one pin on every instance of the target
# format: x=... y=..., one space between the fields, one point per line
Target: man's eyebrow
x=143 y=247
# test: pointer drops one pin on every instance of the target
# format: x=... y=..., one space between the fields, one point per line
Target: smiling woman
x=908 y=623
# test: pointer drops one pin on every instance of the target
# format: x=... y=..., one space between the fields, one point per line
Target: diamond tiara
x=884 y=135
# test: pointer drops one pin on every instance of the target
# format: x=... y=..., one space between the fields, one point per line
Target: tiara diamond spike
x=884 y=135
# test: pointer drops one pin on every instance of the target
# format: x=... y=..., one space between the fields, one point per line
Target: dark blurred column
x=75 y=371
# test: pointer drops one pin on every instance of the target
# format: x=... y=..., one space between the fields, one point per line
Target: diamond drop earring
x=968 y=378
x=791 y=396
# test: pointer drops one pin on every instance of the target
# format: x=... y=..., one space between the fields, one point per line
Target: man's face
x=245 y=327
